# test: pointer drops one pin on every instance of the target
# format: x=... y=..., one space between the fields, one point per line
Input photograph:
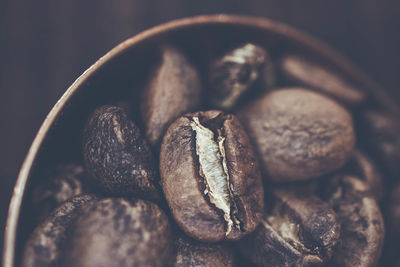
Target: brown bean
x=118 y=232
x=298 y=230
x=210 y=177
x=117 y=157
x=174 y=89
x=44 y=246
x=299 y=134
x=233 y=75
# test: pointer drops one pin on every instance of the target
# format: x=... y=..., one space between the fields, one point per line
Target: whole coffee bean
x=364 y=168
x=43 y=247
x=58 y=184
x=118 y=232
x=363 y=229
x=117 y=157
x=192 y=253
x=299 y=134
x=174 y=89
x=304 y=71
x=382 y=132
x=233 y=74
x=210 y=177
x=299 y=230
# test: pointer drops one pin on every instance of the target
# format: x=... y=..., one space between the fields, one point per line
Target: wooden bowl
x=120 y=74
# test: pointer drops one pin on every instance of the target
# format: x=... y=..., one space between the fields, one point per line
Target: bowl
x=120 y=75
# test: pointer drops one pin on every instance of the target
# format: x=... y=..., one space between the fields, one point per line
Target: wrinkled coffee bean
x=59 y=184
x=382 y=132
x=233 y=74
x=299 y=134
x=192 y=253
x=118 y=232
x=116 y=156
x=299 y=230
x=305 y=72
x=43 y=247
x=363 y=229
x=210 y=176
x=364 y=168
x=174 y=89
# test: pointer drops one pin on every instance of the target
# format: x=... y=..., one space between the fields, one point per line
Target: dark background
x=45 y=45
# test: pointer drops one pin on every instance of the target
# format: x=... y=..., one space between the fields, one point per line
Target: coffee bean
x=299 y=134
x=174 y=89
x=58 y=184
x=232 y=75
x=298 y=230
x=382 y=135
x=116 y=156
x=192 y=253
x=361 y=219
x=210 y=176
x=118 y=232
x=304 y=71
x=43 y=247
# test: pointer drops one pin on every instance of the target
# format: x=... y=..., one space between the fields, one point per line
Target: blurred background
x=45 y=45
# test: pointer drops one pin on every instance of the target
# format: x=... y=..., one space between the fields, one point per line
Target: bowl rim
x=10 y=234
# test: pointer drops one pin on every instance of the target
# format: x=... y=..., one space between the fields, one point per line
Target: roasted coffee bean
x=174 y=89
x=298 y=230
x=382 y=135
x=233 y=74
x=43 y=248
x=306 y=72
x=361 y=166
x=210 y=176
x=394 y=212
x=116 y=156
x=299 y=134
x=192 y=253
x=118 y=232
x=361 y=219
x=57 y=186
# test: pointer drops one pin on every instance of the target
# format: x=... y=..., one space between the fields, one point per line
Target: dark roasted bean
x=210 y=177
x=363 y=229
x=117 y=232
x=232 y=75
x=117 y=157
x=44 y=246
x=298 y=230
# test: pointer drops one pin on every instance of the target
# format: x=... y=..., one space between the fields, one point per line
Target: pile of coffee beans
x=254 y=160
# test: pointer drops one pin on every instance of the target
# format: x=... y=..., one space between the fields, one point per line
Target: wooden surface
x=45 y=45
